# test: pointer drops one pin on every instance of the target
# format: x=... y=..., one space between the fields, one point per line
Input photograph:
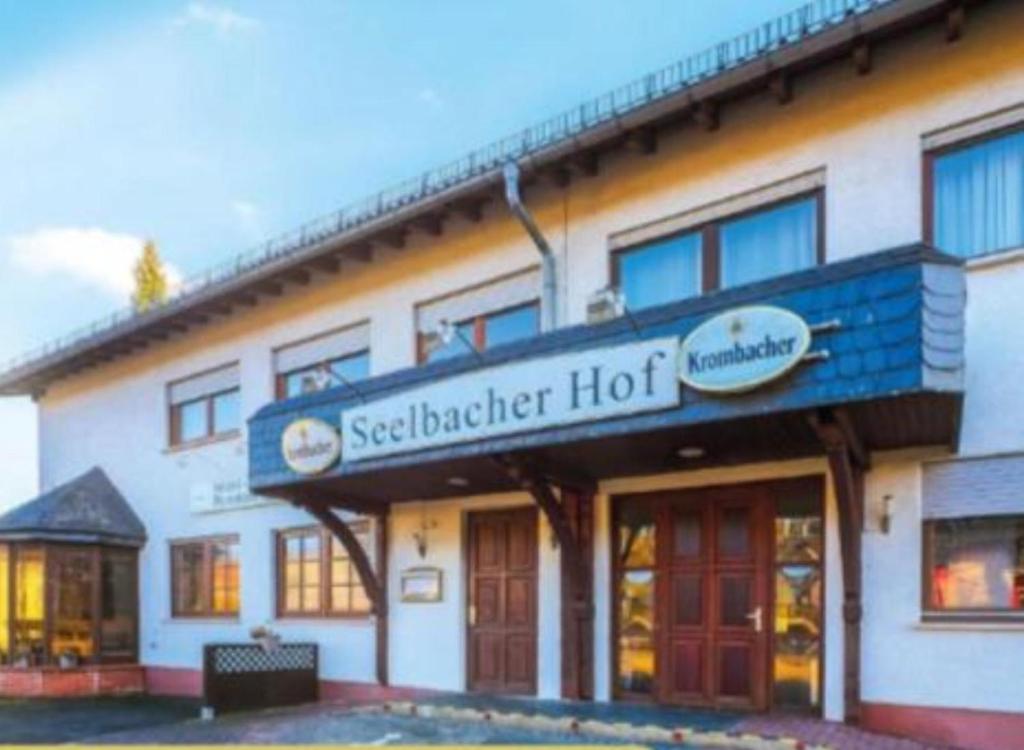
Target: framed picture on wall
x=422 y=584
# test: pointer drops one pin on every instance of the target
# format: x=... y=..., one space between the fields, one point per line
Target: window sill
x=324 y=620
x=1007 y=256
x=225 y=437
x=997 y=624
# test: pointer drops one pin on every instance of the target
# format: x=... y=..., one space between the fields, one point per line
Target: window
x=53 y=595
x=664 y=271
x=796 y=653
x=205 y=578
x=73 y=578
x=484 y=332
x=316 y=578
x=336 y=358
x=635 y=585
x=769 y=241
x=975 y=564
x=205 y=406
x=974 y=196
x=498 y=312
x=340 y=371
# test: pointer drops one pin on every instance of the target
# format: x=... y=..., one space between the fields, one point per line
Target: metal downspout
x=549 y=294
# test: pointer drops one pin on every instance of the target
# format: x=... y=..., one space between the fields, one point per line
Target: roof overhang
x=560 y=150
x=886 y=357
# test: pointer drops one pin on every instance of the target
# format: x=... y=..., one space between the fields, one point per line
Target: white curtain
x=979 y=197
x=770 y=243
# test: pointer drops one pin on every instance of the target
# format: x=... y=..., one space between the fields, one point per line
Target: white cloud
x=430 y=97
x=250 y=219
x=91 y=256
x=223 y=20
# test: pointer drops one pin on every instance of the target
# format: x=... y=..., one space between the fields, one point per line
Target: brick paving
x=835 y=735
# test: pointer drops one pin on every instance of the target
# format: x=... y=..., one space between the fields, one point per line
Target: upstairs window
x=205 y=406
x=500 y=312
x=723 y=252
x=976 y=196
x=337 y=358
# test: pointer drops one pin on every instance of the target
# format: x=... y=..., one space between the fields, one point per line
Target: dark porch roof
x=894 y=365
x=88 y=509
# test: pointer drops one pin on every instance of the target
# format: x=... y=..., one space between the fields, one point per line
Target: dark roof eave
x=43 y=535
x=799 y=56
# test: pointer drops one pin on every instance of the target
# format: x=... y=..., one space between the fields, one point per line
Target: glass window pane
x=978 y=563
x=798 y=530
x=118 y=592
x=511 y=325
x=301 y=381
x=188 y=579
x=636 y=536
x=979 y=197
x=71 y=575
x=352 y=368
x=664 y=271
x=227 y=415
x=797 y=636
x=769 y=243
x=360 y=602
x=29 y=605
x=462 y=342
x=5 y=600
x=636 y=632
x=192 y=421
x=224 y=562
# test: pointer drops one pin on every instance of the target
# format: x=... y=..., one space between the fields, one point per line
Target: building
x=713 y=401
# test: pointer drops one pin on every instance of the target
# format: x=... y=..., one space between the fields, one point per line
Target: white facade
x=864 y=134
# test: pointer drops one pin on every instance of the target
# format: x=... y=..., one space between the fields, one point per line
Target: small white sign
x=310 y=446
x=217 y=497
x=520 y=397
x=741 y=349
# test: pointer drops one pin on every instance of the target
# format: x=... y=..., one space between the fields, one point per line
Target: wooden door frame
x=816 y=480
x=467 y=578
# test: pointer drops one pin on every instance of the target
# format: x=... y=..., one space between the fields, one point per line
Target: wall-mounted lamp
x=885 y=514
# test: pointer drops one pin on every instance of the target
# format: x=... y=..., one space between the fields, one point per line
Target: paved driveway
x=70 y=719
x=336 y=725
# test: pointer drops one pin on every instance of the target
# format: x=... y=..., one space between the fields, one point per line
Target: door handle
x=756 y=619
x=472 y=614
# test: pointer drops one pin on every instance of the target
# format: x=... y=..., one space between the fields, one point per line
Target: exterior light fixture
x=690 y=452
x=607 y=304
x=445 y=333
x=885 y=515
x=421 y=535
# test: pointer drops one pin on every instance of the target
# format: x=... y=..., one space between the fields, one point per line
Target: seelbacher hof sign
x=520 y=397
x=732 y=352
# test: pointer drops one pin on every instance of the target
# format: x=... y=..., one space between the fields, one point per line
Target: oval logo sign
x=310 y=446
x=741 y=349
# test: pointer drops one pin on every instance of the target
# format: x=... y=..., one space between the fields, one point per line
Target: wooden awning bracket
x=538 y=480
x=848 y=459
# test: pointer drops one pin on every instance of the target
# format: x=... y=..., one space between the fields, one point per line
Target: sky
x=211 y=126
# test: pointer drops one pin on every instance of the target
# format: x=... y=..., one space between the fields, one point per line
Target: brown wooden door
x=503 y=601
x=713 y=594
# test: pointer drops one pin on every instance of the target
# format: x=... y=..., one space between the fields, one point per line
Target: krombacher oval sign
x=741 y=349
x=310 y=446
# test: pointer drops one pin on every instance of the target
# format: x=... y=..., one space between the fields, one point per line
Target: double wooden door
x=708 y=576
x=502 y=606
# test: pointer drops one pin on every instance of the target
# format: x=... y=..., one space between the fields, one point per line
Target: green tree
x=150 y=279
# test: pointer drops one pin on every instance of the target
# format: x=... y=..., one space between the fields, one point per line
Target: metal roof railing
x=794 y=26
